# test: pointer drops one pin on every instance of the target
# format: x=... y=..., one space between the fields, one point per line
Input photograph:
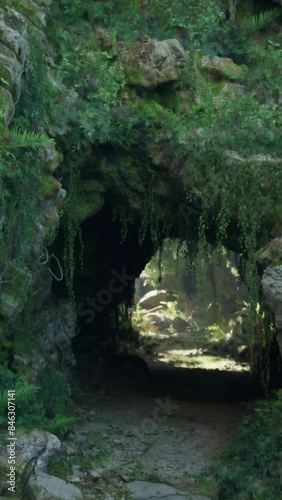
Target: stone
x=271 y=254
x=144 y=490
x=9 y=105
x=261 y=159
x=37 y=443
x=35 y=13
x=163 y=156
x=14 y=39
x=229 y=91
x=272 y=291
x=50 y=158
x=10 y=71
x=224 y=68
x=159 y=320
x=149 y=62
x=45 y=487
x=153 y=298
x=15 y=20
x=94 y=475
x=180 y=324
x=103 y=37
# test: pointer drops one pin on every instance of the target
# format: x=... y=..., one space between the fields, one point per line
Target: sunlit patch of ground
x=192 y=358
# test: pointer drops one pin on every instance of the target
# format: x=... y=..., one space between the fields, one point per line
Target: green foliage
x=29 y=411
x=54 y=392
x=60 y=425
x=36 y=404
x=19 y=177
x=252 y=465
x=255 y=23
x=265 y=79
x=85 y=102
x=6 y=379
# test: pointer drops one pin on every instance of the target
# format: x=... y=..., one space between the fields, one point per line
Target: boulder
x=224 y=68
x=159 y=320
x=149 y=63
x=152 y=299
x=8 y=104
x=271 y=254
x=272 y=291
x=45 y=487
x=180 y=324
x=37 y=443
x=13 y=35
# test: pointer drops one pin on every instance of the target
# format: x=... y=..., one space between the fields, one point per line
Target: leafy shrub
x=54 y=392
x=29 y=412
x=251 y=466
x=33 y=408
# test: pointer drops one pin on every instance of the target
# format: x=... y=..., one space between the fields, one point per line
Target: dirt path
x=143 y=441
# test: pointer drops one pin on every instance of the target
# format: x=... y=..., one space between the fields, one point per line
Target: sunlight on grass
x=192 y=358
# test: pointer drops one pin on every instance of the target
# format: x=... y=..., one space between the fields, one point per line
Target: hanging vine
x=71 y=228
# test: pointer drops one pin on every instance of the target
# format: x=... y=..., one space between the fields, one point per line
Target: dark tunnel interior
x=104 y=289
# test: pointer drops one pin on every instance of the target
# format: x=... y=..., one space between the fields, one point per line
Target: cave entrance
x=187 y=339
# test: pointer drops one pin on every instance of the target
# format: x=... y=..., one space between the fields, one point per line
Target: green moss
x=5 y=75
x=29 y=10
x=49 y=187
x=92 y=185
x=88 y=204
x=225 y=69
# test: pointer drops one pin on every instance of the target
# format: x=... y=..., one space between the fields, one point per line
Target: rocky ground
x=158 y=442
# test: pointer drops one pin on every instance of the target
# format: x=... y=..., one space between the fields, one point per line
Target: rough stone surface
x=149 y=63
x=272 y=291
x=152 y=491
x=159 y=320
x=152 y=299
x=9 y=105
x=14 y=52
x=13 y=38
x=45 y=487
x=271 y=254
x=50 y=158
x=224 y=68
x=37 y=443
x=59 y=329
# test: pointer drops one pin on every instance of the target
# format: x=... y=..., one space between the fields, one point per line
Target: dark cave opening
x=104 y=290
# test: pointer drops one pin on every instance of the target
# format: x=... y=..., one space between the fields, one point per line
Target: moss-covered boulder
x=223 y=68
x=149 y=63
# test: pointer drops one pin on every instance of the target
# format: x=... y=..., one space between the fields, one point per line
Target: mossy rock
x=29 y=10
x=7 y=106
x=48 y=188
x=223 y=68
x=271 y=255
x=89 y=204
x=5 y=75
x=149 y=63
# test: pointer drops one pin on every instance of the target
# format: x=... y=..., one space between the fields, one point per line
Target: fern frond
x=3 y=399
x=257 y=22
x=25 y=391
x=61 y=424
x=28 y=139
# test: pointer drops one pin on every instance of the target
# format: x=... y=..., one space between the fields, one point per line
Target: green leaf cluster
x=251 y=466
x=42 y=405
